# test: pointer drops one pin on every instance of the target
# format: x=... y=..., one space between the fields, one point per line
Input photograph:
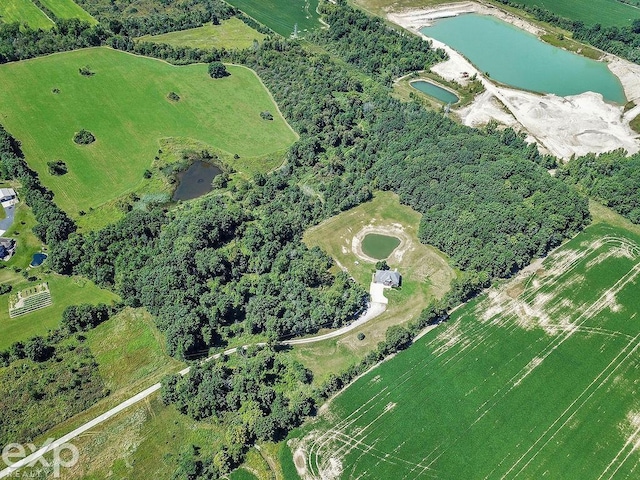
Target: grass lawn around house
x=425 y=271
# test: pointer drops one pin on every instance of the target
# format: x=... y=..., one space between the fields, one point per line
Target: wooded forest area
x=233 y=262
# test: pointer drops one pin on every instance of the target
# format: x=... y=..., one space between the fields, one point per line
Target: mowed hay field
x=282 y=15
x=604 y=12
x=539 y=378
x=124 y=104
x=24 y=11
x=425 y=271
x=232 y=33
x=68 y=9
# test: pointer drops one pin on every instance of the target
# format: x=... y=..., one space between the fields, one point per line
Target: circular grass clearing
x=379 y=246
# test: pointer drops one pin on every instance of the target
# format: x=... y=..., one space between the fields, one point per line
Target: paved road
x=373 y=311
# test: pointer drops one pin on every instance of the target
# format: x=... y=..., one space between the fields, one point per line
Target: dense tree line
x=485 y=200
x=219 y=266
x=371 y=45
x=235 y=263
x=19 y=42
x=621 y=40
x=135 y=18
x=611 y=178
x=257 y=395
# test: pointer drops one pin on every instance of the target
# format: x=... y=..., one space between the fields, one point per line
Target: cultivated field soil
x=124 y=104
x=230 y=34
x=425 y=272
x=282 y=16
x=538 y=378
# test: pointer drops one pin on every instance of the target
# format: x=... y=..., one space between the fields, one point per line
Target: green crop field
x=282 y=15
x=24 y=11
x=536 y=379
x=604 y=12
x=68 y=9
x=232 y=33
x=124 y=104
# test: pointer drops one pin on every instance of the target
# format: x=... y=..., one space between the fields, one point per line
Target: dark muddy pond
x=195 y=181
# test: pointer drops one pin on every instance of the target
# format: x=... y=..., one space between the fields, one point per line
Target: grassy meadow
x=230 y=34
x=124 y=104
x=24 y=11
x=425 y=272
x=535 y=379
x=68 y=9
x=282 y=15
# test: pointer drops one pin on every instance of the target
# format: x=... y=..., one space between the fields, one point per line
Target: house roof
x=6 y=242
x=7 y=192
x=387 y=277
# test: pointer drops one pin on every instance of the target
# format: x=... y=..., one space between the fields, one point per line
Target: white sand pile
x=563 y=126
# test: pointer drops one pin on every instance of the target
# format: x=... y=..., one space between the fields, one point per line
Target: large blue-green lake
x=515 y=57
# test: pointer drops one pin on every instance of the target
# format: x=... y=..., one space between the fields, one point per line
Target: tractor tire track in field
x=459 y=340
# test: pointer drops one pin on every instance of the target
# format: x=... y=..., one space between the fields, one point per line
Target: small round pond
x=379 y=246
x=435 y=91
x=37 y=259
x=195 y=181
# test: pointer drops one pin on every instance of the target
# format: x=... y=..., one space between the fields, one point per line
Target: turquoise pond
x=519 y=59
x=435 y=91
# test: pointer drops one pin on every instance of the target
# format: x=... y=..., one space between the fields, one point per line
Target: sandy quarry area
x=563 y=126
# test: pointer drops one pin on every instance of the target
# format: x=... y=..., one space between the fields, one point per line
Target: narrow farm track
x=373 y=311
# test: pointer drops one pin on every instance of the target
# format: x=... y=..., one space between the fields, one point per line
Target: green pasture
x=130 y=351
x=68 y=9
x=24 y=11
x=282 y=15
x=537 y=379
x=604 y=12
x=124 y=104
x=230 y=34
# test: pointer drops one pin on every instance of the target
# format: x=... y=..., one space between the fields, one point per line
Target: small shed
x=7 y=194
x=387 y=278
